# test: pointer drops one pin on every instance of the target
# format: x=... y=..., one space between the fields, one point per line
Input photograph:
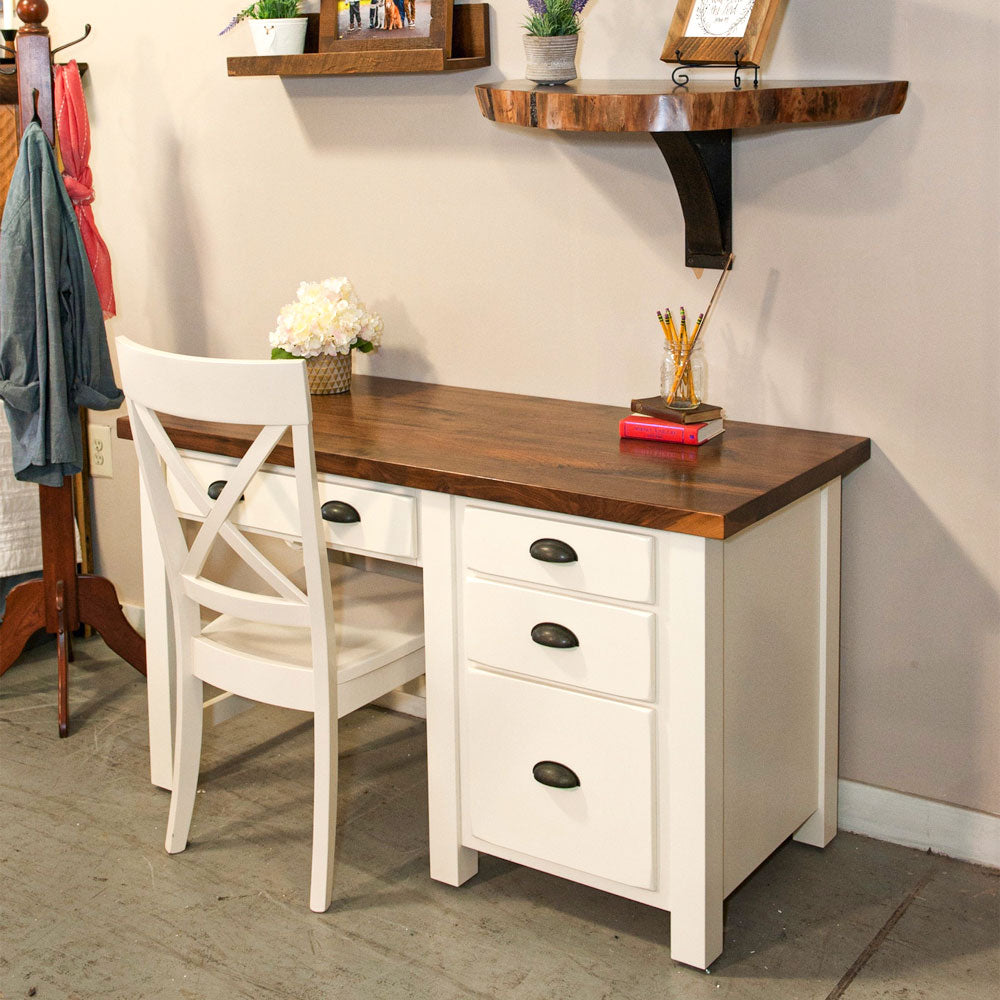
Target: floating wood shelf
x=470 y=49
x=693 y=127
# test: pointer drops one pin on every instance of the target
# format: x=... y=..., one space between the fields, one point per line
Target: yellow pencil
x=663 y=325
x=693 y=341
x=673 y=329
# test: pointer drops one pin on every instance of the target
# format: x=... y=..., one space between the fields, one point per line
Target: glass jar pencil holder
x=686 y=381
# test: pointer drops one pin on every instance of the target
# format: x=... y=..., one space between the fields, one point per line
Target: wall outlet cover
x=99 y=442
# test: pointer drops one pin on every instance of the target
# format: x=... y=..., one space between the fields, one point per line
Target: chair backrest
x=274 y=394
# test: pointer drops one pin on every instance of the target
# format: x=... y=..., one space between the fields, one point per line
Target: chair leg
x=187 y=759
x=324 y=810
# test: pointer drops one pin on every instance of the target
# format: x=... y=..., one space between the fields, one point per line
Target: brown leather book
x=653 y=406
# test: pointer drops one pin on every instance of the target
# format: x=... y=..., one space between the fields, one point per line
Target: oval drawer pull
x=553 y=635
x=215 y=489
x=339 y=512
x=548 y=772
x=551 y=550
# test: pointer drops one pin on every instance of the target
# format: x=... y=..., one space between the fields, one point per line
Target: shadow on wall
x=174 y=229
x=919 y=691
x=338 y=111
x=840 y=41
x=392 y=360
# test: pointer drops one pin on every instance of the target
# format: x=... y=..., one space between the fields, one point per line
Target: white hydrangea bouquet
x=327 y=317
x=324 y=324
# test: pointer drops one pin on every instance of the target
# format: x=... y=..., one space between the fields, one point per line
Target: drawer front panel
x=609 y=563
x=604 y=826
x=615 y=651
x=386 y=525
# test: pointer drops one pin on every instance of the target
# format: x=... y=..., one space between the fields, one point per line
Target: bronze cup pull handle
x=555 y=775
x=551 y=550
x=215 y=489
x=554 y=636
x=339 y=512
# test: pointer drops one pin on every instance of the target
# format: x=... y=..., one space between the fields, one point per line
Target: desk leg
x=160 y=678
x=821 y=827
x=450 y=861
x=695 y=698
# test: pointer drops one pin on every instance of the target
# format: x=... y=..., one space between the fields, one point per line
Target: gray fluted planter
x=551 y=59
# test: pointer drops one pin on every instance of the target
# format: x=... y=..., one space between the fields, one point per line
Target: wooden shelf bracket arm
x=701 y=164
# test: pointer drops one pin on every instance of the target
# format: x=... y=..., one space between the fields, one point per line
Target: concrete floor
x=92 y=907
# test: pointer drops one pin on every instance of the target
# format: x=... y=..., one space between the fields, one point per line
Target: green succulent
x=265 y=10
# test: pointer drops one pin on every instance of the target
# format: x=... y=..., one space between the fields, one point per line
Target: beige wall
x=864 y=299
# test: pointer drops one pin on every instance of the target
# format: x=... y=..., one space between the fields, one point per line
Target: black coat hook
x=86 y=31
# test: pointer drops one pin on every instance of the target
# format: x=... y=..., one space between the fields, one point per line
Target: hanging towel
x=73 y=130
x=20 y=529
x=53 y=347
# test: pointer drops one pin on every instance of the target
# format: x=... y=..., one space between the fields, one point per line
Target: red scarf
x=73 y=129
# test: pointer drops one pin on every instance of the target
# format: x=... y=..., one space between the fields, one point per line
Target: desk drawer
x=614 y=650
x=603 y=827
x=386 y=525
x=604 y=561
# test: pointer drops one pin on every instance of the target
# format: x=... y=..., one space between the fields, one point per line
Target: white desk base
x=742 y=711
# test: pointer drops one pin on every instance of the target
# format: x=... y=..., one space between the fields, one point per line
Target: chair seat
x=378 y=619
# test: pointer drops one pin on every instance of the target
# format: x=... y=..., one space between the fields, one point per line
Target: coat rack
x=63 y=599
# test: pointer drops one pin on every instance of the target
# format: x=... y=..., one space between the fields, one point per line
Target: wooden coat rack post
x=63 y=599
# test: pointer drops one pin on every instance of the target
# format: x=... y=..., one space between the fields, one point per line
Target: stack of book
x=652 y=420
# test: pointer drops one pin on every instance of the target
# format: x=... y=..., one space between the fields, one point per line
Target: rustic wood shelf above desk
x=693 y=126
x=470 y=49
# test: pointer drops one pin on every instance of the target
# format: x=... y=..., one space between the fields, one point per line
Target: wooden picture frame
x=714 y=31
x=336 y=33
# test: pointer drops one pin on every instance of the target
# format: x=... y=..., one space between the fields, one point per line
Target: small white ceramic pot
x=284 y=36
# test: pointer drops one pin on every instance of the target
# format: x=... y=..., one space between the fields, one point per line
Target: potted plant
x=278 y=27
x=323 y=325
x=553 y=30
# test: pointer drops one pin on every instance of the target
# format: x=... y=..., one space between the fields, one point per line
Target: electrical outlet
x=99 y=439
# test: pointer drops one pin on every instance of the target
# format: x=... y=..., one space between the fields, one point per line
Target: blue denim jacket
x=53 y=347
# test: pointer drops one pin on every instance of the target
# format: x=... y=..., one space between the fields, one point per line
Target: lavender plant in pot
x=278 y=27
x=552 y=31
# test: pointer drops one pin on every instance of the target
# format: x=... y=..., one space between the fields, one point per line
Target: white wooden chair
x=286 y=647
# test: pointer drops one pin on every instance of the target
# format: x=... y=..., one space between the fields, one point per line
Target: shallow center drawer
x=564 y=639
x=572 y=555
x=604 y=826
x=385 y=522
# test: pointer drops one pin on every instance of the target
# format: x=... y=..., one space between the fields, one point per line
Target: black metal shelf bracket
x=701 y=164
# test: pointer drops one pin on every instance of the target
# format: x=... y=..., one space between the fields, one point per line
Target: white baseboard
x=915 y=822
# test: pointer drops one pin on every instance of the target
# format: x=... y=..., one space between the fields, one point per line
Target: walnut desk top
x=552 y=455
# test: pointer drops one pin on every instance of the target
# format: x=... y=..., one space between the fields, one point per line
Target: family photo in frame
x=365 y=16
x=360 y=25
x=719 y=31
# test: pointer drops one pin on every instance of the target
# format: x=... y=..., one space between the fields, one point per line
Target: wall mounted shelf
x=470 y=49
x=693 y=127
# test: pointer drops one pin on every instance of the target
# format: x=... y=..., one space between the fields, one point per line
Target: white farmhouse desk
x=632 y=647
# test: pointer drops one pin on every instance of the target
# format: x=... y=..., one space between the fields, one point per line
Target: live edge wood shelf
x=693 y=127
x=470 y=49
